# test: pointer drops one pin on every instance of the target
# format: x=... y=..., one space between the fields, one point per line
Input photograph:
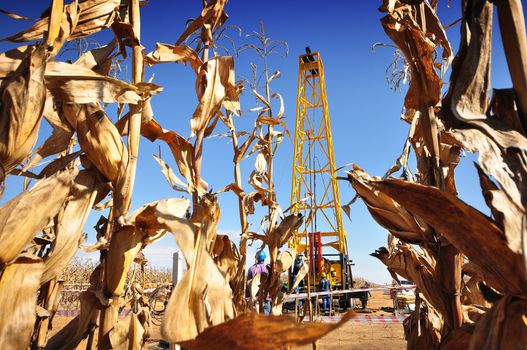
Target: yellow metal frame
x=310 y=133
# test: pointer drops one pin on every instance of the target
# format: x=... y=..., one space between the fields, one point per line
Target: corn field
x=42 y=227
x=470 y=269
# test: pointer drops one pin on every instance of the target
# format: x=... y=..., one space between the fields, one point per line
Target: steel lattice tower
x=314 y=170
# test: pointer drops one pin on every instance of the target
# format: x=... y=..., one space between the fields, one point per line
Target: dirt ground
x=362 y=336
x=349 y=336
x=365 y=336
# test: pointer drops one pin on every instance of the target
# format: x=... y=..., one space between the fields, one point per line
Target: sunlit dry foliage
x=454 y=238
x=42 y=227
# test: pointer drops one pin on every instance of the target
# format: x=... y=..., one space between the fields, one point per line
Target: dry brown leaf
x=202 y=298
x=280 y=235
x=423 y=329
x=501 y=155
x=59 y=164
x=128 y=240
x=387 y=212
x=470 y=78
x=254 y=285
x=226 y=257
x=214 y=85
x=169 y=53
x=250 y=330
x=23 y=96
x=418 y=267
x=211 y=17
x=285 y=260
x=126 y=243
x=99 y=59
x=503 y=327
x=175 y=182
x=503 y=104
x=181 y=148
x=467 y=229
x=14 y=15
x=287 y=227
x=19 y=284
x=419 y=49
x=70 y=224
x=260 y=164
x=262 y=99
x=78 y=20
x=125 y=35
x=127 y=334
x=458 y=338
x=72 y=83
x=234 y=188
x=21 y=219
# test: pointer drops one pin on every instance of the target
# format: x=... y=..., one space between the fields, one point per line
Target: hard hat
x=323 y=274
x=260 y=256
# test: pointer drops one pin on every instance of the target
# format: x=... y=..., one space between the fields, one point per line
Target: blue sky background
x=364 y=111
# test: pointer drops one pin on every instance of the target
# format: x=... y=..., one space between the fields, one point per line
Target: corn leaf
x=210 y=18
x=467 y=229
x=68 y=229
x=77 y=84
x=21 y=219
x=169 y=53
x=80 y=18
x=251 y=330
x=214 y=85
x=19 y=284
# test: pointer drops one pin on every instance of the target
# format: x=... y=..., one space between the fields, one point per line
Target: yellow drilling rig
x=314 y=191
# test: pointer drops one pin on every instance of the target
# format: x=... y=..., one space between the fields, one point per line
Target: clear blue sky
x=364 y=111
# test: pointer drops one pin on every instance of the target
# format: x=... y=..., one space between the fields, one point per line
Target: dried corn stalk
x=494 y=129
x=71 y=97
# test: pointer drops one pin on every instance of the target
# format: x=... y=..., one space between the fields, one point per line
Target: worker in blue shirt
x=325 y=286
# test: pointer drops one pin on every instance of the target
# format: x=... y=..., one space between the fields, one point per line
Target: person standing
x=299 y=262
x=259 y=268
x=325 y=286
x=365 y=295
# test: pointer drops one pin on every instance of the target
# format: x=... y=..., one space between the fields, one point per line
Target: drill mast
x=314 y=184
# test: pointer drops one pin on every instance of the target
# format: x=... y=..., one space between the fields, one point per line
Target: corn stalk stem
x=244 y=225
x=449 y=259
x=54 y=21
x=272 y=206
x=198 y=157
x=134 y=124
x=123 y=193
x=198 y=144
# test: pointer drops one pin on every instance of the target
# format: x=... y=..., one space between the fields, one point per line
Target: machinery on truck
x=314 y=191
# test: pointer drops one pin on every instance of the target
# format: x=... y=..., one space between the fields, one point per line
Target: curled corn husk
x=18 y=301
x=21 y=218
